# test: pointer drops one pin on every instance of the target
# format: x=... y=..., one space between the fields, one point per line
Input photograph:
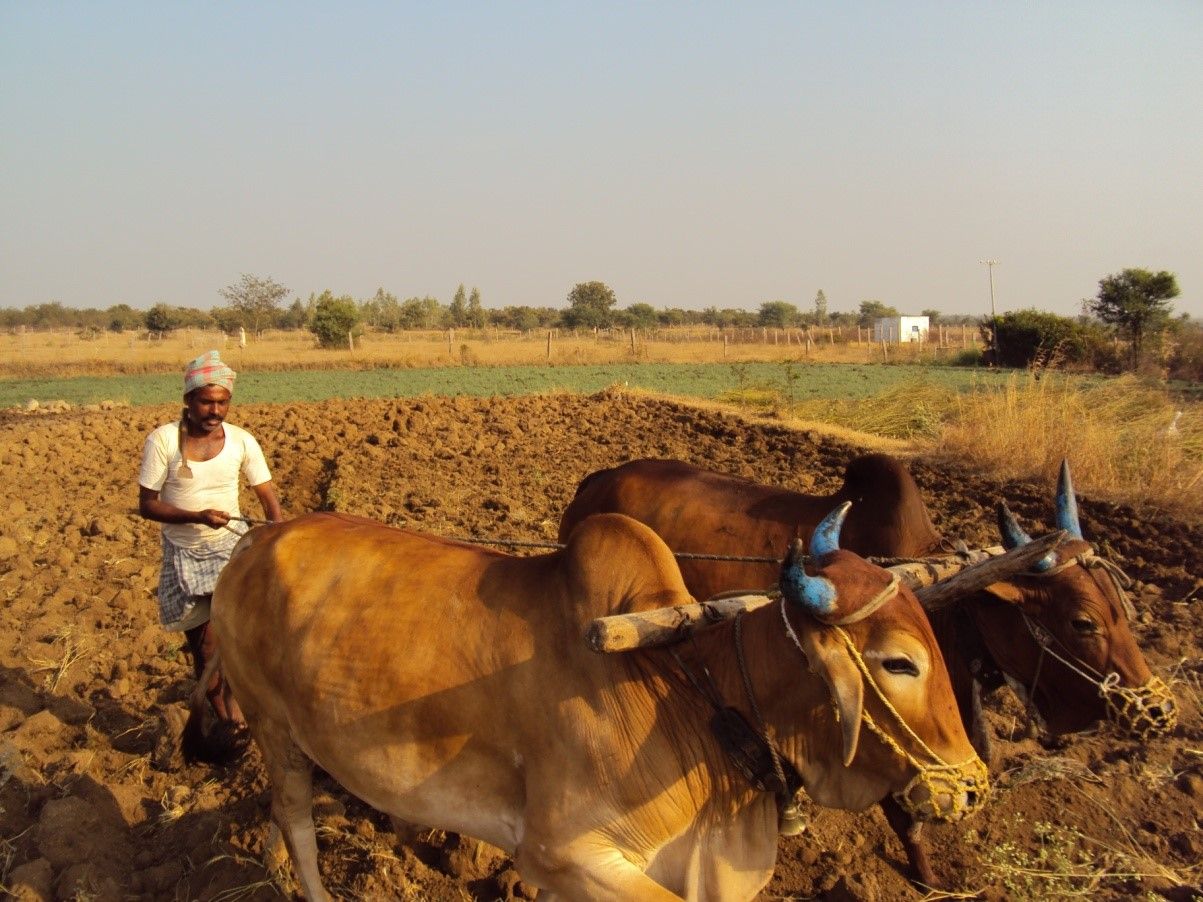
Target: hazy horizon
x=687 y=155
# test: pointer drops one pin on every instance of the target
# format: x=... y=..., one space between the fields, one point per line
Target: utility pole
x=990 y=264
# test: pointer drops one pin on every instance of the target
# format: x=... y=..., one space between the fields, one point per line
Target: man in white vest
x=189 y=482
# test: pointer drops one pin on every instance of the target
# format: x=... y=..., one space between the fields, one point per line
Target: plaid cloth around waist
x=188 y=572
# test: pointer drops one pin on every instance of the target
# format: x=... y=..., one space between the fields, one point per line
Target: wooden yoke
x=937 y=582
x=663 y=626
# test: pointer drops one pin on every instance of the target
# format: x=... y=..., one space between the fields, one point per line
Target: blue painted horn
x=814 y=593
x=1067 y=504
x=1014 y=537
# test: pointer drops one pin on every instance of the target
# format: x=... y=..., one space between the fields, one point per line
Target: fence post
x=350 y=341
x=549 y=344
x=724 y=344
x=885 y=354
x=450 y=340
x=632 y=339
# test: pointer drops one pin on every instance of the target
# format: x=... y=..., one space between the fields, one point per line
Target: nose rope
x=955 y=782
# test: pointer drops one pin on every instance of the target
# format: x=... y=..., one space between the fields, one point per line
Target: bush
x=1186 y=352
x=1027 y=337
x=968 y=357
x=162 y=318
x=333 y=318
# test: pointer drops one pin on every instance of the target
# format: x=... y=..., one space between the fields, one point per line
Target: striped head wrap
x=207 y=369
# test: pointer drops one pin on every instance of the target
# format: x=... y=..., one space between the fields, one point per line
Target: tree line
x=1132 y=306
x=256 y=304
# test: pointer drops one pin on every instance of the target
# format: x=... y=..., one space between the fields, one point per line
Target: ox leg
x=908 y=831
x=291 y=775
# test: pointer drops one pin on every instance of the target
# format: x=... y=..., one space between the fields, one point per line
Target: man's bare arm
x=152 y=507
x=266 y=494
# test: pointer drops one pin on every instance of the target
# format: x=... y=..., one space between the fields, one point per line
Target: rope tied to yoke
x=750 y=749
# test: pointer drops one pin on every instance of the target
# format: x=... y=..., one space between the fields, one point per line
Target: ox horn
x=815 y=594
x=826 y=537
x=992 y=570
x=1014 y=537
x=1067 y=504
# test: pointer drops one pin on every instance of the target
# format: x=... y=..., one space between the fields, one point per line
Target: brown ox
x=1056 y=634
x=449 y=685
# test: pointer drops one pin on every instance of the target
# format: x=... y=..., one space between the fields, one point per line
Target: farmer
x=189 y=483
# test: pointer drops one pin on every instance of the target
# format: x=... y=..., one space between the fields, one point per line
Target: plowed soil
x=96 y=803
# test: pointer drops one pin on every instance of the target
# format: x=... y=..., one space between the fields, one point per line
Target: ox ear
x=829 y=660
x=1009 y=593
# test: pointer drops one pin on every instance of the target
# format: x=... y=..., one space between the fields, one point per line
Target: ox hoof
x=228 y=742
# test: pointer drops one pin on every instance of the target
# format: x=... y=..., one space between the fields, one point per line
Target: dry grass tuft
x=174 y=804
x=1127 y=440
x=1115 y=434
x=1068 y=864
x=251 y=888
x=8 y=857
x=73 y=648
x=914 y=410
x=1051 y=768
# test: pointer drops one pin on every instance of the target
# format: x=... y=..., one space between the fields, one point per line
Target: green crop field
x=794 y=382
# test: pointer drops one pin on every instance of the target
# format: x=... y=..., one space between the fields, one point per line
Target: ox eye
x=900 y=666
x=1084 y=626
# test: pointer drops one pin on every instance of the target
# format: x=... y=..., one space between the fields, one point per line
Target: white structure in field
x=895 y=329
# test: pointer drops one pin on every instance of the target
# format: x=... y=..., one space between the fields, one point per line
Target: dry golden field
x=50 y=354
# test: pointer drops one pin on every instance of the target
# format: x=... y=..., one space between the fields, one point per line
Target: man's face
x=207 y=407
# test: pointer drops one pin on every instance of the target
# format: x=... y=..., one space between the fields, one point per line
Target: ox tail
x=206 y=739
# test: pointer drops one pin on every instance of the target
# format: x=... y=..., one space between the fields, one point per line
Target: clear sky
x=686 y=154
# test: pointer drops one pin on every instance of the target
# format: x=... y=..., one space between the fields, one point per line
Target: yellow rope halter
x=1142 y=712
x=961 y=787
x=1133 y=707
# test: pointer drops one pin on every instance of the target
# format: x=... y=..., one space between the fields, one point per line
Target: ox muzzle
x=1141 y=712
x=946 y=792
